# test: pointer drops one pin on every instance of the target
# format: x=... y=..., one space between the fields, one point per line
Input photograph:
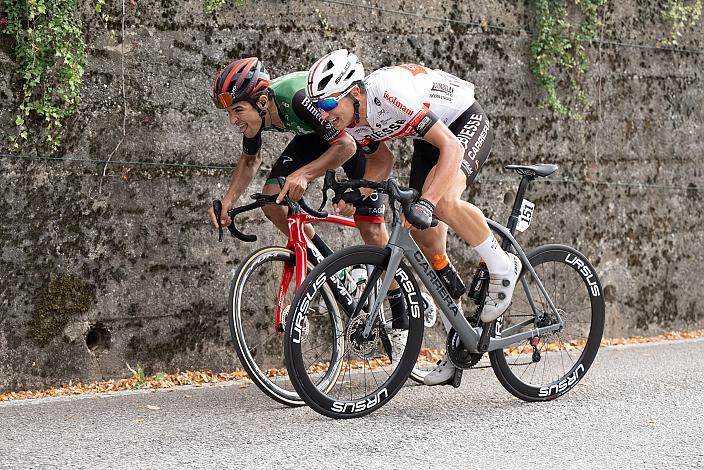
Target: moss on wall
x=66 y=298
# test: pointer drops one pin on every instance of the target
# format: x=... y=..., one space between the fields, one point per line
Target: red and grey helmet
x=241 y=80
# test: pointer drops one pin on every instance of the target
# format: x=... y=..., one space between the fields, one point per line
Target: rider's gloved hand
x=420 y=214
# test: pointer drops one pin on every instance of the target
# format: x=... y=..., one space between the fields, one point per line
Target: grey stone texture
x=132 y=252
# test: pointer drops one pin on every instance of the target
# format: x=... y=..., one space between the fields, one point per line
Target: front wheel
x=546 y=367
x=252 y=304
x=368 y=378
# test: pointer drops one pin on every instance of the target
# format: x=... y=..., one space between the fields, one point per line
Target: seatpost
x=516 y=211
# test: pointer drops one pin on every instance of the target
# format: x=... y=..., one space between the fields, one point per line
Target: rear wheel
x=367 y=379
x=251 y=312
x=545 y=367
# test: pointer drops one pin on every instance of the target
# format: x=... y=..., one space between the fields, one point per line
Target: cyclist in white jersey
x=452 y=139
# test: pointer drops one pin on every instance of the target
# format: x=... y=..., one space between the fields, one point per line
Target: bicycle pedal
x=457 y=379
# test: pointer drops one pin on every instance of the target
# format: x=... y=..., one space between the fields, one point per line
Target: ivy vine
x=50 y=52
x=679 y=16
x=558 y=49
x=212 y=6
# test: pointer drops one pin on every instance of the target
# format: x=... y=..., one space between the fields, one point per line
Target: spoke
x=265 y=340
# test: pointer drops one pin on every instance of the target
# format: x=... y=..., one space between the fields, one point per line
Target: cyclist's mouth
x=242 y=129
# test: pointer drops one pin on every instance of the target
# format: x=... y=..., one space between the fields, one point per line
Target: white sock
x=495 y=258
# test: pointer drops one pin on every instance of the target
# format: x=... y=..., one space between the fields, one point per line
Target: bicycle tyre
x=261 y=360
x=373 y=394
x=573 y=343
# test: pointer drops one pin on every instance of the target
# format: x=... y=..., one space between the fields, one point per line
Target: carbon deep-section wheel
x=546 y=367
x=252 y=303
x=368 y=378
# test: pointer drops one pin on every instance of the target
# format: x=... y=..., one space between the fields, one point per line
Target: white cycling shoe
x=442 y=374
x=498 y=297
x=398 y=339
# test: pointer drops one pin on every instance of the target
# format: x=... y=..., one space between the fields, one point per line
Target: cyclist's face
x=341 y=115
x=245 y=118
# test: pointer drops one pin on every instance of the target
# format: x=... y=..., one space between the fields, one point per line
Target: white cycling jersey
x=406 y=100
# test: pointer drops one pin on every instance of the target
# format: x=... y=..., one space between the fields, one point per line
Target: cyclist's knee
x=277 y=215
x=373 y=233
x=429 y=242
x=447 y=207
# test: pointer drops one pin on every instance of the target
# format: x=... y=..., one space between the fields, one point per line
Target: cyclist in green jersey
x=256 y=103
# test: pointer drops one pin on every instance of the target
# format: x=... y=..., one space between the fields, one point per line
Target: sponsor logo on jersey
x=424 y=125
x=384 y=131
x=415 y=69
x=441 y=97
x=377 y=101
x=394 y=101
x=443 y=88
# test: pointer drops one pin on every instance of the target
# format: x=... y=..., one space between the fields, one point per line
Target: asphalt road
x=639 y=406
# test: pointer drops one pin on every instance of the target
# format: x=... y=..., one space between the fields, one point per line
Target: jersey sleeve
x=308 y=113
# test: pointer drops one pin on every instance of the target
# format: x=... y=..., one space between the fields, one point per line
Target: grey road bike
x=539 y=349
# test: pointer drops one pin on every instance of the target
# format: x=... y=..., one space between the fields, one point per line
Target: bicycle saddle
x=542 y=169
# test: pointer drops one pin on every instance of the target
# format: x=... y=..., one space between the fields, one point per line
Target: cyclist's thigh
x=474 y=132
x=302 y=150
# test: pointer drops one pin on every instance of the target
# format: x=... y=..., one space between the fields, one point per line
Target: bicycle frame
x=298 y=242
x=401 y=245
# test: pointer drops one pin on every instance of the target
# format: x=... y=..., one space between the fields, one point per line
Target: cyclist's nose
x=233 y=117
x=324 y=114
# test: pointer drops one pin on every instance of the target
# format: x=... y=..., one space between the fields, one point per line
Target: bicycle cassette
x=459 y=355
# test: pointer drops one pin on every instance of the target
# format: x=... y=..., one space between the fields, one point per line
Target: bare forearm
x=448 y=164
x=243 y=174
x=339 y=152
x=445 y=170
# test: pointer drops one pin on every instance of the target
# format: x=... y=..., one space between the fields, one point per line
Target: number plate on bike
x=525 y=216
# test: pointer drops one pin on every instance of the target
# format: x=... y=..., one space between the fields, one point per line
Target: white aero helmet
x=333 y=73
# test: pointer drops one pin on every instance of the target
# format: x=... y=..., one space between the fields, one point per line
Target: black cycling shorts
x=475 y=134
x=303 y=149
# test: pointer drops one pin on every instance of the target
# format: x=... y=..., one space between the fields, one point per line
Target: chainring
x=459 y=355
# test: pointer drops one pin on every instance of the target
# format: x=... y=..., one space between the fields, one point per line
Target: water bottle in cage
x=354 y=279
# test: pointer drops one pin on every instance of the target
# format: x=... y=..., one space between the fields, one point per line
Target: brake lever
x=328 y=183
x=217 y=208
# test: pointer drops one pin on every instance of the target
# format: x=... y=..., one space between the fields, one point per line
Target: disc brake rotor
x=363 y=347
